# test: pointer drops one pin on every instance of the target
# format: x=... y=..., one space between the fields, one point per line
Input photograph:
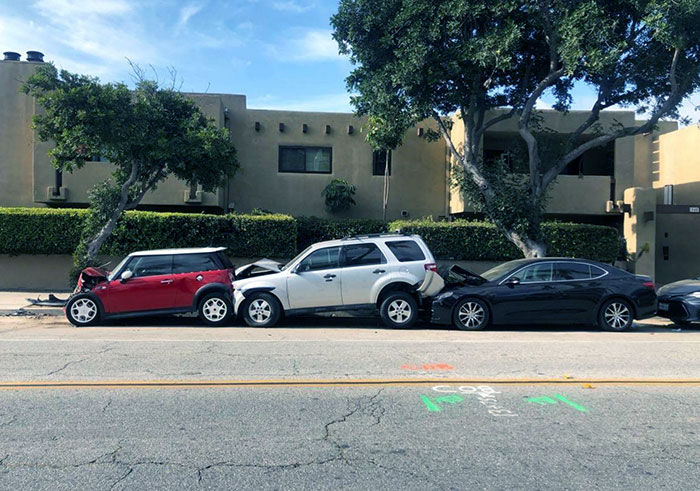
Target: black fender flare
x=256 y=289
x=207 y=289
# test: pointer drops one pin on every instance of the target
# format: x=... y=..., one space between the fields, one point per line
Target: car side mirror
x=126 y=275
x=512 y=282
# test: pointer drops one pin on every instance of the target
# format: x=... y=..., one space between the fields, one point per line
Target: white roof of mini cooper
x=191 y=250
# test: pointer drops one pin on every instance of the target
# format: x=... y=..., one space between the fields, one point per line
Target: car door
x=534 y=299
x=150 y=287
x=363 y=265
x=190 y=273
x=581 y=290
x=316 y=281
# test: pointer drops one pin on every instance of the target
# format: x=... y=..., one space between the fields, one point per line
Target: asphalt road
x=346 y=404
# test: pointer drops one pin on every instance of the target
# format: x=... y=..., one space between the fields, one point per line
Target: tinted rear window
x=406 y=250
x=193 y=263
x=362 y=255
x=225 y=261
x=572 y=271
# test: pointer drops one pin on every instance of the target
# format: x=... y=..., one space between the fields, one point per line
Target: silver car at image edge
x=391 y=273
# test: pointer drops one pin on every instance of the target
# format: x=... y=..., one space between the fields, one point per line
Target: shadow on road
x=374 y=323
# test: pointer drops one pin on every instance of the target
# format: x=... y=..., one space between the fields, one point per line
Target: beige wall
x=16 y=136
x=417 y=183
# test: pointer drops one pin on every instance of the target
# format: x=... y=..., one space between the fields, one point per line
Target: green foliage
x=339 y=195
x=57 y=231
x=40 y=230
x=312 y=229
x=481 y=241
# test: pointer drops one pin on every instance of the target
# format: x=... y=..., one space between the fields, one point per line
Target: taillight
x=231 y=278
x=430 y=267
x=649 y=284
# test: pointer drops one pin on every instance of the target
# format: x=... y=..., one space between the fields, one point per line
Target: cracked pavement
x=388 y=437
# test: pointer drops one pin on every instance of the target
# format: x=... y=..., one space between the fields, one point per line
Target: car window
x=406 y=250
x=535 y=273
x=597 y=272
x=193 y=263
x=225 y=261
x=142 y=266
x=321 y=259
x=362 y=255
x=571 y=271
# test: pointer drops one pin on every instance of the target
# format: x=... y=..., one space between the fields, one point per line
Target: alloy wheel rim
x=260 y=310
x=214 y=309
x=83 y=310
x=617 y=315
x=471 y=314
x=399 y=311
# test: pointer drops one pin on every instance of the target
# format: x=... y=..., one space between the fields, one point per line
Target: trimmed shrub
x=314 y=229
x=40 y=230
x=57 y=231
x=481 y=241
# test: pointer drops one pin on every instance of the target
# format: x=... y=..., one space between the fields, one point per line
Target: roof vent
x=11 y=56
x=35 y=56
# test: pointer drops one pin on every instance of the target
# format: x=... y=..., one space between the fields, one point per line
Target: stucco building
x=288 y=157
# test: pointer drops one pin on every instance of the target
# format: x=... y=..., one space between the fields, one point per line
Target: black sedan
x=545 y=291
x=680 y=301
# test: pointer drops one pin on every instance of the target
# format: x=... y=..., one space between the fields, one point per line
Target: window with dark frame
x=379 y=162
x=306 y=160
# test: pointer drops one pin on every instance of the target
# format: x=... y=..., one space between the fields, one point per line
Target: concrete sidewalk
x=17 y=303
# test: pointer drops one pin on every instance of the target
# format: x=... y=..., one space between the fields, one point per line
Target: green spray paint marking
x=548 y=400
x=432 y=406
x=570 y=403
x=429 y=404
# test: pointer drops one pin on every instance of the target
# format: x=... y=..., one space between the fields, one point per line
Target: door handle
x=378 y=271
x=329 y=277
x=166 y=282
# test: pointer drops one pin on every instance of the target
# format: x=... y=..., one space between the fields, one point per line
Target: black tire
x=616 y=315
x=83 y=310
x=215 y=309
x=399 y=310
x=261 y=310
x=471 y=314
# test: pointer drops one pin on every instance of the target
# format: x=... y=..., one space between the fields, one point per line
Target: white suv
x=388 y=272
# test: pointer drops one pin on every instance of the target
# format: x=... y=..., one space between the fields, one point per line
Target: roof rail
x=374 y=236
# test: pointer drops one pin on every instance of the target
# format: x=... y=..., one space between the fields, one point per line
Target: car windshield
x=117 y=269
x=302 y=253
x=502 y=270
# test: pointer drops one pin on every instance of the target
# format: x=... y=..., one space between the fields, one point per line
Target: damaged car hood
x=263 y=267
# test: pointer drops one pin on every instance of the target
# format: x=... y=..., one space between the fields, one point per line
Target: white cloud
x=293 y=6
x=339 y=102
x=310 y=45
x=186 y=13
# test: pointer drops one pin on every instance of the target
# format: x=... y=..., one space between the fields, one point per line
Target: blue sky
x=279 y=53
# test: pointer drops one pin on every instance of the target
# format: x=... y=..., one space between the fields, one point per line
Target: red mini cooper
x=166 y=281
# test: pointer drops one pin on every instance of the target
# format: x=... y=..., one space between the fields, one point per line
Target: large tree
x=148 y=134
x=488 y=61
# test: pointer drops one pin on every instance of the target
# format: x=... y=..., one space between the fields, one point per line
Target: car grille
x=676 y=309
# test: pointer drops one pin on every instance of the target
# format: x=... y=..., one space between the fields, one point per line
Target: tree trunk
x=96 y=242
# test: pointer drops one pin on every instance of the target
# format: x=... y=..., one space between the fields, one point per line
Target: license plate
x=663 y=306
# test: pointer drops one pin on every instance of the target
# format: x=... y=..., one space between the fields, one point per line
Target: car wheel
x=261 y=310
x=615 y=315
x=215 y=309
x=399 y=310
x=471 y=314
x=83 y=310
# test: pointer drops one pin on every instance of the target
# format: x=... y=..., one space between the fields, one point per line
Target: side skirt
x=146 y=313
x=370 y=307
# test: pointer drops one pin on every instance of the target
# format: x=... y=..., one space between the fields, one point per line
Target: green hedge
x=57 y=231
x=481 y=241
x=40 y=230
x=313 y=229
